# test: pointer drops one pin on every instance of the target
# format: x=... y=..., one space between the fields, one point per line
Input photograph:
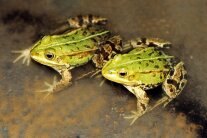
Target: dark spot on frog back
x=156 y=66
x=76 y=32
x=159 y=53
x=65 y=37
x=94 y=40
x=84 y=33
x=150 y=54
x=87 y=46
x=151 y=61
x=78 y=48
x=167 y=66
x=92 y=33
x=67 y=44
x=139 y=62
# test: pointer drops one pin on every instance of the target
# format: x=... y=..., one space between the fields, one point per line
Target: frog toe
x=134 y=116
x=50 y=87
x=166 y=102
x=24 y=55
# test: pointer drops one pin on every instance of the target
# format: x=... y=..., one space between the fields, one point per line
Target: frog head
x=46 y=54
x=115 y=71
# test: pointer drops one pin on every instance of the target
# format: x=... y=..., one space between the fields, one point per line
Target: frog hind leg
x=175 y=82
x=58 y=86
x=24 y=55
x=80 y=21
x=146 y=42
x=106 y=51
x=142 y=103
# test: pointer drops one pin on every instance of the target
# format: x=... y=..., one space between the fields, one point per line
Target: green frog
x=80 y=40
x=144 y=68
x=76 y=42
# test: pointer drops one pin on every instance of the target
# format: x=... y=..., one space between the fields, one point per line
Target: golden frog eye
x=49 y=55
x=122 y=73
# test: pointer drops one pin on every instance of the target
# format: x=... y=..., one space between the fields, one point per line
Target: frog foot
x=24 y=54
x=167 y=102
x=50 y=88
x=134 y=116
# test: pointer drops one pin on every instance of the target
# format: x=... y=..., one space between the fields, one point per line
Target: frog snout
x=33 y=54
x=109 y=74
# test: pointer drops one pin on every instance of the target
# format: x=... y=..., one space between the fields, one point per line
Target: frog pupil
x=122 y=74
x=50 y=55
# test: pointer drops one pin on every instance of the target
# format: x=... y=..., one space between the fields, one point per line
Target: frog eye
x=49 y=55
x=122 y=73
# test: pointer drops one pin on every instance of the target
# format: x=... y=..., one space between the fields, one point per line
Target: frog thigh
x=175 y=81
x=98 y=60
x=80 y=21
x=142 y=98
x=107 y=50
x=147 y=42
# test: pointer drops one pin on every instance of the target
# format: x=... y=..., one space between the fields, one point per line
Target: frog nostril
x=34 y=54
x=110 y=72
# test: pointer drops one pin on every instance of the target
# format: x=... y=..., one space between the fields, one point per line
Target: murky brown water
x=85 y=109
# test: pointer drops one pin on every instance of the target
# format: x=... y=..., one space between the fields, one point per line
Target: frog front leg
x=142 y=103
x=80 y=21
x=175 y=82
x=58 y=86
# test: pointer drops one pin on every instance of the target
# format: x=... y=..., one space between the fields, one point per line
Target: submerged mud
x=85 y=109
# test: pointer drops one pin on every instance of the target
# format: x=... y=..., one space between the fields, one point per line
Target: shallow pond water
x=86 y=109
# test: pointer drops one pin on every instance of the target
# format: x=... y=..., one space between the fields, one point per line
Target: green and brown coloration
x=145 y=68
x=73 y=48
x=80 y=21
